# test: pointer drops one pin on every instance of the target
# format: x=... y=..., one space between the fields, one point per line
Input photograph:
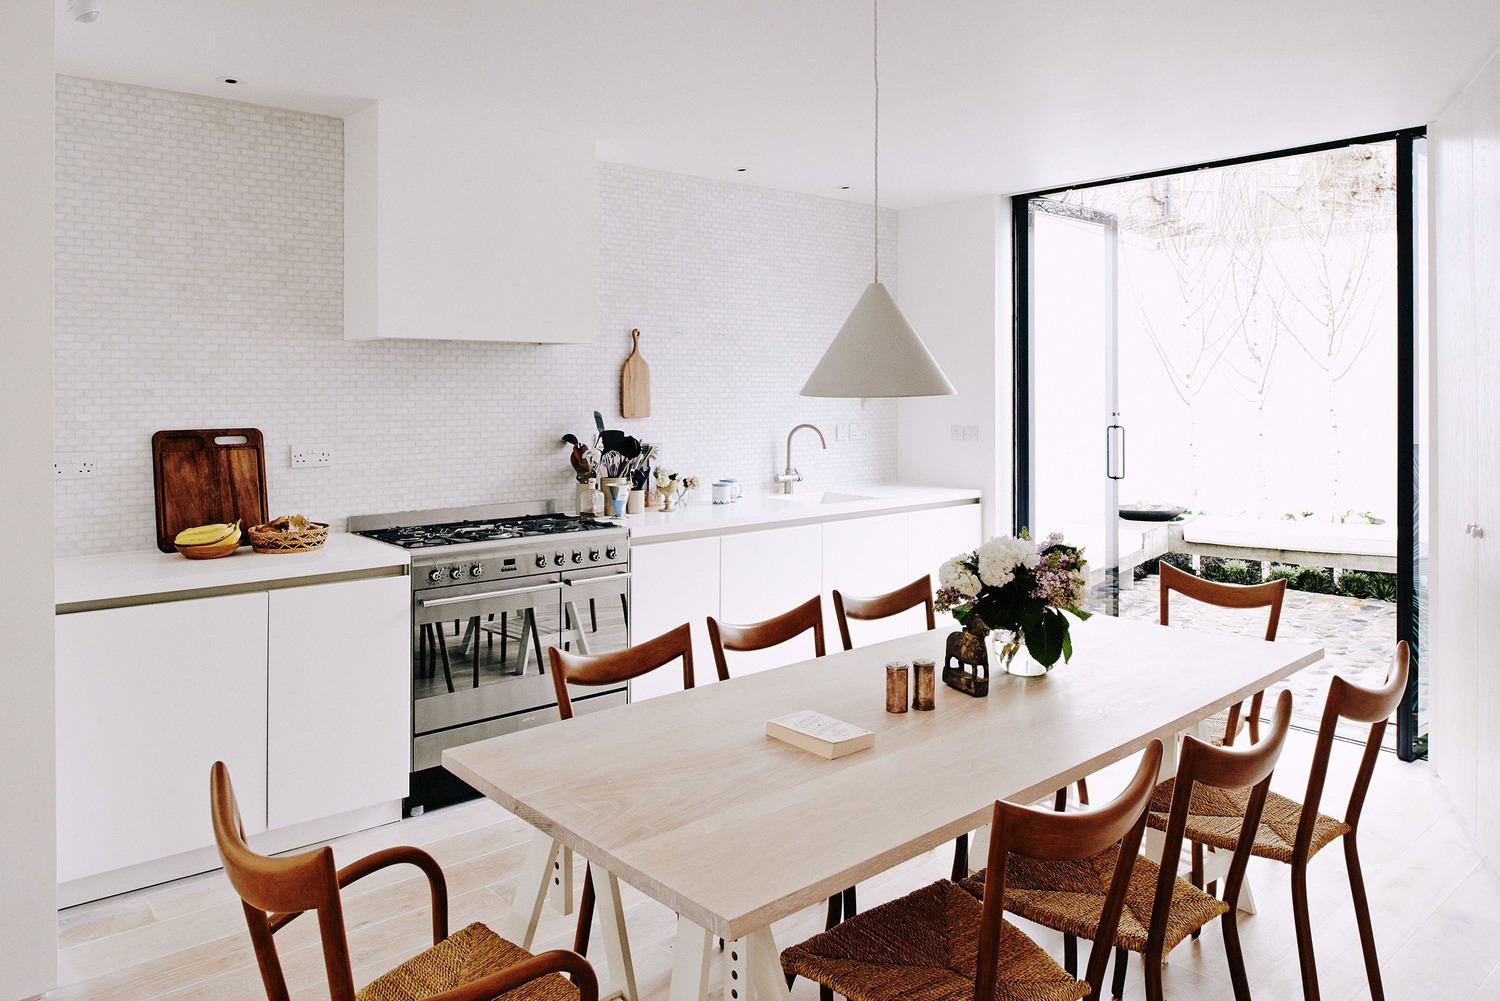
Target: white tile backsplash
x=200 y=283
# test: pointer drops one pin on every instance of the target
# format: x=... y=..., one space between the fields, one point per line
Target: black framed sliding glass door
x=1251 y=327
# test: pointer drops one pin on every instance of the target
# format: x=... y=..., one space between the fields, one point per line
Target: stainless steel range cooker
x=493 y=587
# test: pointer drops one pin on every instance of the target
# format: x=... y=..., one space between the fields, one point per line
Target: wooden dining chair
x=942 y=943
x=1160 y=909
x=772 y=632
x=1268 y=595
x=760 y=636
x=1293 y=832
x=472 y=964
x=611 y=669
x=883 y=606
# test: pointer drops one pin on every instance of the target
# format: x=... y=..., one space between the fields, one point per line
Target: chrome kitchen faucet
x=791 y=475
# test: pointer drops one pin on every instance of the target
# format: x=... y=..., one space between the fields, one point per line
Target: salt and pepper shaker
x=895 y=687
x=922 y=694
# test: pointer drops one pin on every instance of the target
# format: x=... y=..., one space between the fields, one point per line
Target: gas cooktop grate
x=460 y=533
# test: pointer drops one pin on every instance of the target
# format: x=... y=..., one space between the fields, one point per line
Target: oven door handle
x=596 y=580
x=435 y=602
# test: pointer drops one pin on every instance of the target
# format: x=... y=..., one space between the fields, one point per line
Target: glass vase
x=1012 y=656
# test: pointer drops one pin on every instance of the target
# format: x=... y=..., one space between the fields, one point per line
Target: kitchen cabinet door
x=864 y=557
x=673 y=583
x=936 y=536
x=148 y=697
x=339 y=697
x=763 y=574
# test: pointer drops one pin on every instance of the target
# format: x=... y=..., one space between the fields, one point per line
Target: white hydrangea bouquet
x=1021 y=587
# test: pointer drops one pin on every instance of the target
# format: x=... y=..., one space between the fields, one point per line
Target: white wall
x=28 y=918
x=200 y=274
x=1464 y=165
x=955 y=290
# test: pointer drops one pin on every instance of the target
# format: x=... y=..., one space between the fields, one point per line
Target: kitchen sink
x=826 y=497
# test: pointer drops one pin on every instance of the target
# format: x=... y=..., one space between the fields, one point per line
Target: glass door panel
x=1077 y=435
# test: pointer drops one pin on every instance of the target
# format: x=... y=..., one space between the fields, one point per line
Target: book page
x=815 y=724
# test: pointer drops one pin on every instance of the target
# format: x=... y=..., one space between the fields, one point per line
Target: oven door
x=480 y=650
x=596 y=609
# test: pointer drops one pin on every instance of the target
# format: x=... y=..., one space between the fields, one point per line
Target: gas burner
x=459 y=533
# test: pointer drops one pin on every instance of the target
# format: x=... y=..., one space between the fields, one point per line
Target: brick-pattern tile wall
x=200 y=284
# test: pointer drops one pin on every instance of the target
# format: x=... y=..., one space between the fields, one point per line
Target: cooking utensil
x=203 y=477
x=635 y=382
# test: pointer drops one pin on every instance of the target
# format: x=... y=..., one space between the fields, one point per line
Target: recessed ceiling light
x=229 y=79
x=84 y=11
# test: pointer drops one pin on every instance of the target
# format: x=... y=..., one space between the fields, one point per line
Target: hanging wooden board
x=635 y=383
x=207 y=477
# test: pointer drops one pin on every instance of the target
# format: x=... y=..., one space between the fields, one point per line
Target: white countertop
x=115 y=576
x=702 y=517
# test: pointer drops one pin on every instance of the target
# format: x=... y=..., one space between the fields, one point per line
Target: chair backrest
x=1347 y=700
x=1223 y=595
x=918 y=592
x=612 y=668
x=775 y=630
x=275 y=890
x=1220 y=768
x=1045 y=834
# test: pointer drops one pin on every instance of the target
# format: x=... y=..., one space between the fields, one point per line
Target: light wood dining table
x=685 y=798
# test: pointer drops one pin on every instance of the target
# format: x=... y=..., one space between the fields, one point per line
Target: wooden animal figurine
x=972 y=673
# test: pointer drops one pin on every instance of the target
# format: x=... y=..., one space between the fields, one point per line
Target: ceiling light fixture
x=876 y=353
x=84 y=11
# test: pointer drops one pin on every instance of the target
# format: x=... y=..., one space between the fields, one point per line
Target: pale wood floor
x=1436 y=907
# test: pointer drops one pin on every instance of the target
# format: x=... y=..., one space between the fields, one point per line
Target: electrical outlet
x=841 y=432
x=956 y=432
x=312 y=455
x=74 y=467
x=859 y=432
x=971 y=432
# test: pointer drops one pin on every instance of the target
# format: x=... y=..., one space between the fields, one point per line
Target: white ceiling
x=977 y=96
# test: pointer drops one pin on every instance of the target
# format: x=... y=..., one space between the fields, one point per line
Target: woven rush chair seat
x=1215 y=816
x=1068 y=896
x=1218 y=725
x=462 y=958
x=924 y=947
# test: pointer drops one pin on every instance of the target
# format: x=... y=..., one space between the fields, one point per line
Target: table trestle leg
x=531 y=889
x=690 y=961
x=561 y=884
x=616 y=942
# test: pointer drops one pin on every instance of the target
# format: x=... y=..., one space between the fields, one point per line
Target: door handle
x=435 y=602
x=1114 y=452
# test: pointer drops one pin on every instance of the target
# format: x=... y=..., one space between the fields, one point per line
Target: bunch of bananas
x=206 y=541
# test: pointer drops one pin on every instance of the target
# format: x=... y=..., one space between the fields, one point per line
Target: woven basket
x=265 y=539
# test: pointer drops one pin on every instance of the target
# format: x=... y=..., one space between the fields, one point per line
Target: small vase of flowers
x=1020 y=590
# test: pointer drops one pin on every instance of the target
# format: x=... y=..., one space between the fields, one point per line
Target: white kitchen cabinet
x=459 y=228
x=338 y=698
x=673 y=583
x=763 y=574
x=937 y=535
x=864 y=557
x=148 y=697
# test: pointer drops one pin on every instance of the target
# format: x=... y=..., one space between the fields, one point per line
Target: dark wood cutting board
x=207 y=477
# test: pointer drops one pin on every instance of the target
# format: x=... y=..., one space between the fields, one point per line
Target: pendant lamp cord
x=876 y=4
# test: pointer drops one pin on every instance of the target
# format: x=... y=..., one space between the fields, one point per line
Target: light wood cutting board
x=635 y=382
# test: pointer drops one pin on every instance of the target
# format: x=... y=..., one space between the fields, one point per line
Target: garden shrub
x=1316 y=580
x=1383 y=586
x=1356 y=585
x=1231 y=571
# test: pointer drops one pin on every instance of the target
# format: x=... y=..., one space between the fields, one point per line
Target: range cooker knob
x=477 y=570
x=594 y=555
x=577 y=556
x=541 y=560
x=457 y=573
x=560 y=559
x=610 y=552
x=434 y=575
